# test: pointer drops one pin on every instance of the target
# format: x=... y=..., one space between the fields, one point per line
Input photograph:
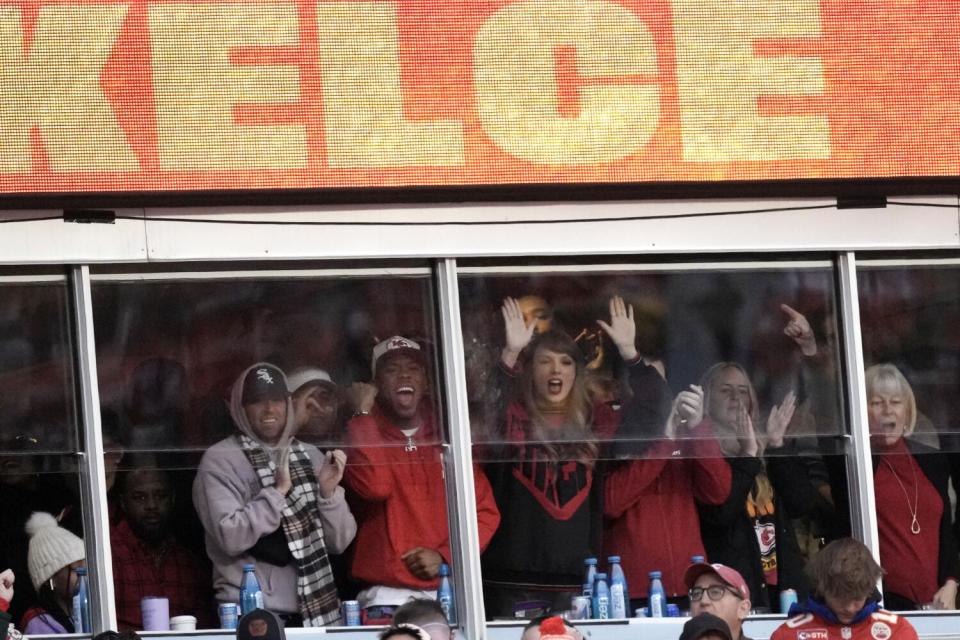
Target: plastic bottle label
x=618 y=608
x=656 y=605
x=77 y=615
x=446 y=603
x=603 y=608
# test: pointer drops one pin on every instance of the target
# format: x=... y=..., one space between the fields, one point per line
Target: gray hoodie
x=236 y=511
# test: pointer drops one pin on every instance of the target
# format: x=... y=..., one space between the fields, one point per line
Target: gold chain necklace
x=914 y=523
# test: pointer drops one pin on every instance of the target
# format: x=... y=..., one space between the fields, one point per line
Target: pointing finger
x=790 y=311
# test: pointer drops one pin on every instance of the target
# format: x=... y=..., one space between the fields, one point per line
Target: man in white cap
x=314 y=396
x=397 y=476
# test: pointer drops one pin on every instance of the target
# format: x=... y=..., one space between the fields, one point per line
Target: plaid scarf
x=316 y=590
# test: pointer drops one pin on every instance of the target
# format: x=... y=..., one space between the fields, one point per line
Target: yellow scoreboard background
x=164 y=95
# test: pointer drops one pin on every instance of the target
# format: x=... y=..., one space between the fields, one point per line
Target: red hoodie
x=399 y=482
x=652 y=521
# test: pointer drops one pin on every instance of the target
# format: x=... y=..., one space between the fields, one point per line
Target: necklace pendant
x=410 y=446
x=915 y=526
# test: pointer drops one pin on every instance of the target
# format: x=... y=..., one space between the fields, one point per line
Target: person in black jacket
x=770 y=485
x=751 y=531
x=918 y=550
x=542 y=463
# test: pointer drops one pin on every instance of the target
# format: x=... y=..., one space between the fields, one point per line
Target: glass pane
x=657 y=414
x=39 y=443
x=200 y=431
x=909 y=316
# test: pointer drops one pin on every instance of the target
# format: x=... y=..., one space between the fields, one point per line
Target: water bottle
x=697 y=559
x=590 y=576
x=81 y=603
x=251 y=597
x=619 y=595
x=601 y=598
x=445 y=595
x=658 y=597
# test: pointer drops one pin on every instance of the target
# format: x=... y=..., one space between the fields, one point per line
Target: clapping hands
x=779 y=419
x=330 y=474
x=687 y=411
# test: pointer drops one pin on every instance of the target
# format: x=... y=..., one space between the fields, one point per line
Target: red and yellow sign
x=167 y=95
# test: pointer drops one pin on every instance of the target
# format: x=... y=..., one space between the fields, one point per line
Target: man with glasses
x=719 y=590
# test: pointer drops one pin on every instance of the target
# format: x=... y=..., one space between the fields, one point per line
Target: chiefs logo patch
x=812 y=634
x=881 y=631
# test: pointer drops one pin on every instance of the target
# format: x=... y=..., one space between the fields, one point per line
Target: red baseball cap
x=728 y=575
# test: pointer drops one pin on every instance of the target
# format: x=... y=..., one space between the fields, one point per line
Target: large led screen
x=100 y=96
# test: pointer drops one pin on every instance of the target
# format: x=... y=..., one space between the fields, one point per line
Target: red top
x=4 y=605
x=652 y=521
x=169 y=571
x=909 y=560
x=400 y=486
x=881 y=625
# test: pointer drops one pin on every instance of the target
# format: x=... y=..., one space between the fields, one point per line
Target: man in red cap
x=719 y=590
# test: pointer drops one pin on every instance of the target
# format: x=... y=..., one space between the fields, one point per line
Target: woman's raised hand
x=779 y=419
x=747 y=434
x=687 y=411
x=798 y=329
x=622 y=328
x=518 y=333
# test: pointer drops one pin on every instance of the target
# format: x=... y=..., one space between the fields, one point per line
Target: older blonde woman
x=918 y=551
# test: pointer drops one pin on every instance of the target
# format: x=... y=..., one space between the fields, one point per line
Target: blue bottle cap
x=444 y=570
x=601 y=576
x=81 y=571
x=590 y=561
x=655 y=574
x=613 y=559
x=248 y=567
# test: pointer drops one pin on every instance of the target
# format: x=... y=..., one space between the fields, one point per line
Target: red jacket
x=649 y=503
x=881 y=625
x=400 y=486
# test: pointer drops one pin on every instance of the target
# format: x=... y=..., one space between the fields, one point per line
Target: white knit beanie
x=51 y=547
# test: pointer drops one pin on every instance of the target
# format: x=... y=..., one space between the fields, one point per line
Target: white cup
x=183 y=623
x=156 y=613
